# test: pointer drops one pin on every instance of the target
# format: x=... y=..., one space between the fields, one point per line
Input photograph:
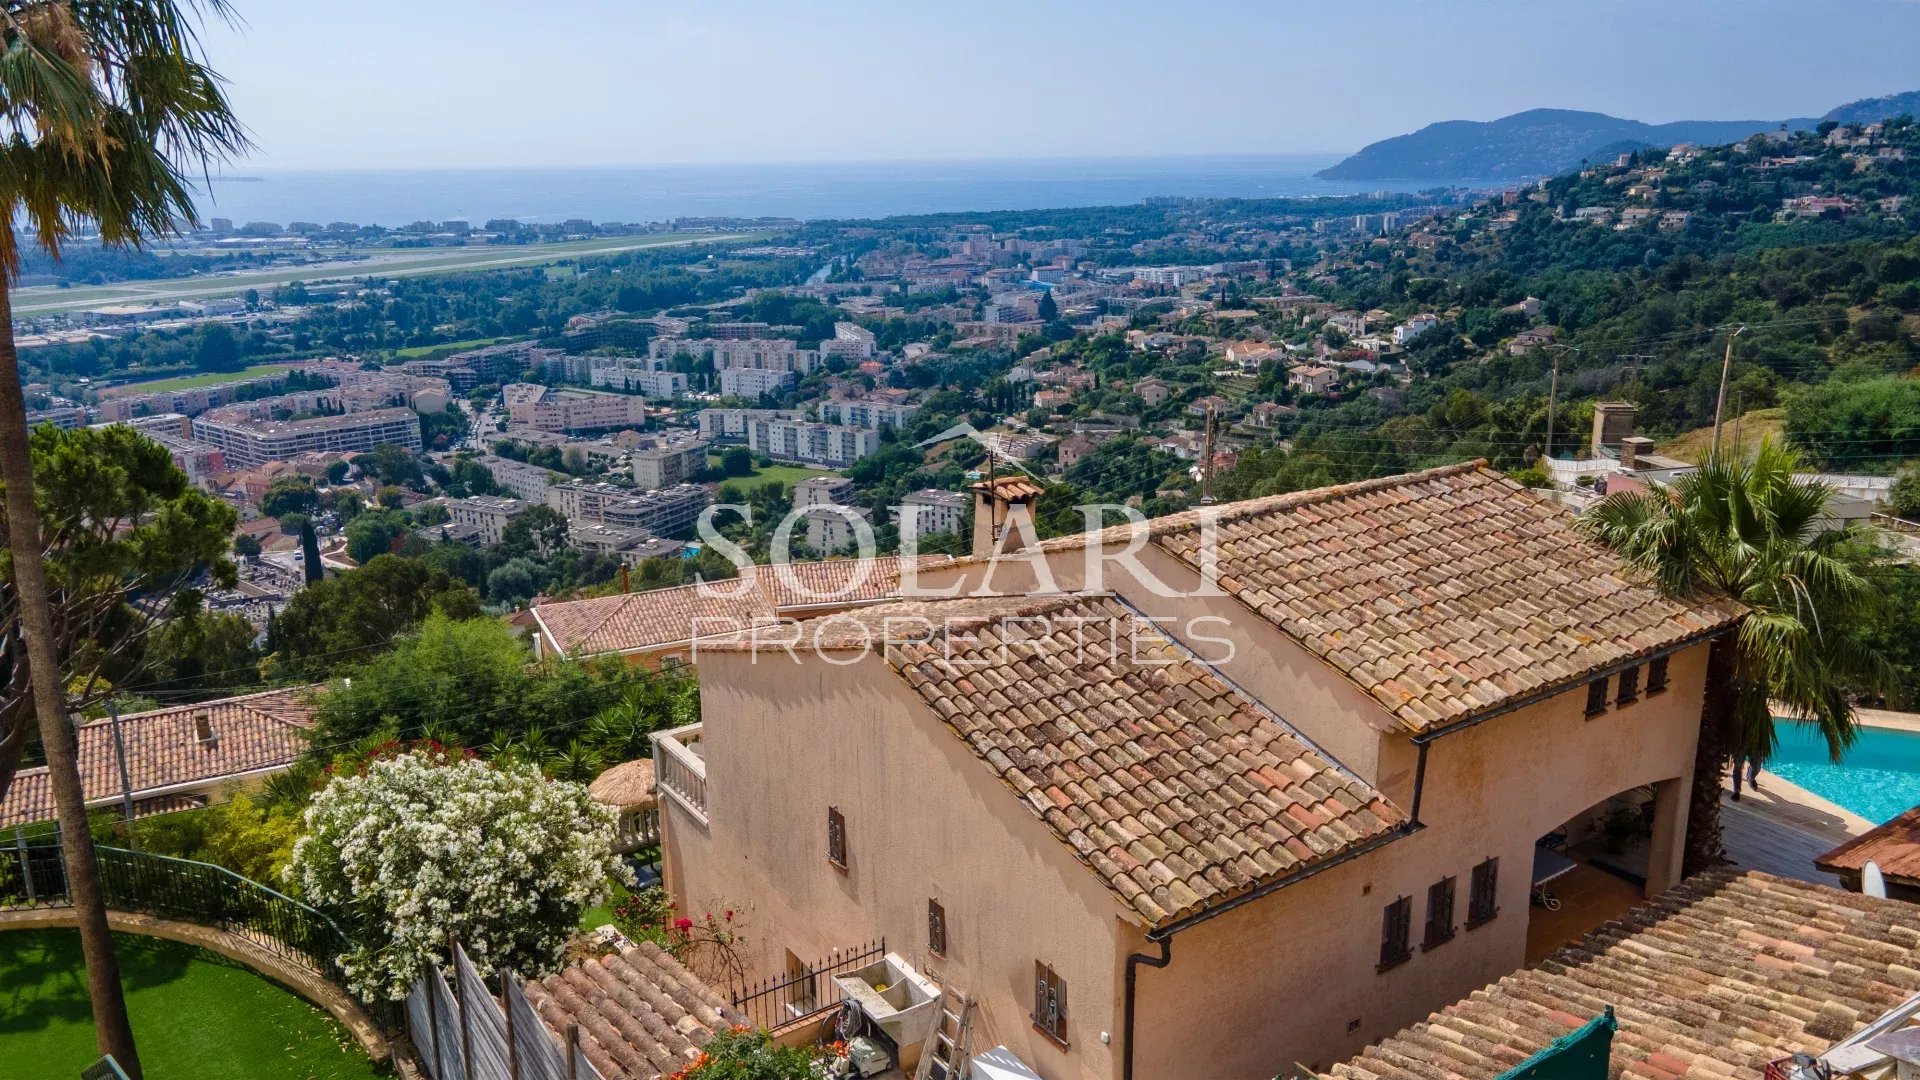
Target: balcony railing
x=678 y=770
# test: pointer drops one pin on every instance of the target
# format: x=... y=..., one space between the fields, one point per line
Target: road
x=409 y=262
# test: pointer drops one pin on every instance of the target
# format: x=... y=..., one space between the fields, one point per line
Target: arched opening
x=1599 y=863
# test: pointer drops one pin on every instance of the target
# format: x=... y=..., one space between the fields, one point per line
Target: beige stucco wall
x=1278 y=981
x=925 y=819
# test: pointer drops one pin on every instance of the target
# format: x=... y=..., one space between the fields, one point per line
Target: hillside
x=1542 y=142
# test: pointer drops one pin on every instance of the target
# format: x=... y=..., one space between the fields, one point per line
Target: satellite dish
x=1871 y=881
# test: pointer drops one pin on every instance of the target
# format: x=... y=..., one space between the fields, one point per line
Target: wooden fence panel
x=486 y=1024
x=448 y=1027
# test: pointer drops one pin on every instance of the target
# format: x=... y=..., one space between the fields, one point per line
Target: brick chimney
x=203 y=730
x=1002 y=506
x=1631 y=449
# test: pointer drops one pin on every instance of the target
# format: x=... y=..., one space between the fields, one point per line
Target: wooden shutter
x=1597 y=697
x=1439 y=912
x=1484 y=902
x=836 y=838
x=936 y=928
x=1656 y=674
x=1396 y=930
x=1629 y=687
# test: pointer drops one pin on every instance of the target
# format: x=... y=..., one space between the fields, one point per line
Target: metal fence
x=474 y=1036
x=35 y=875
x=804 y=992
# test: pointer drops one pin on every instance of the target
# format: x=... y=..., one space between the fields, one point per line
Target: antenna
x=1720 y=402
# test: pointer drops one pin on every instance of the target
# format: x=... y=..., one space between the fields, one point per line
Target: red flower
x=729 y=916
x=683 y=924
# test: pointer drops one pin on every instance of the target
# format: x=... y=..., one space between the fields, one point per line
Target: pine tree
x=310 y=548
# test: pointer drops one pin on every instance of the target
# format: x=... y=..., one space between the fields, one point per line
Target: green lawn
x=788 y=475
x=210 y=378
x=196 y=1015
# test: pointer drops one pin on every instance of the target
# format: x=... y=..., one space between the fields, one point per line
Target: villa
x=1282 y=782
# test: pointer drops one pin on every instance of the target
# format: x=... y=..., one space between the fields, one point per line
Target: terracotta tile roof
x=659 y=617
x=1176 y=790
x=653 y=618
x=1895 y=847
x=1712 y=980
x=250 y=733
x=838 y=581
x=641 y=1014
x=1441 y=593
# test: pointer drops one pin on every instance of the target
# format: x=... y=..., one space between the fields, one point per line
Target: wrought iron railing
x=34 y=875
x=805 y=992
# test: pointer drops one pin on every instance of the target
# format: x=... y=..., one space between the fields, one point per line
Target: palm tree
x=1746 y=528
x=107 y=106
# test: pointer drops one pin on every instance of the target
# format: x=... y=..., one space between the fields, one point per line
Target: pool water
x=1879 y=777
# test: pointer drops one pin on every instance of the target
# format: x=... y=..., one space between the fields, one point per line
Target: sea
x=811 y=191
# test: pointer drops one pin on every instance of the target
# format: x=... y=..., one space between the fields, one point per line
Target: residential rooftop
x=641 y=1014
x=246 y=736
x=1175 y=789
x=1711 y=981
x=1894 y=847
x=1444 y=594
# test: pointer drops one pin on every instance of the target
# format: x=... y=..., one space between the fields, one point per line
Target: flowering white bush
x=417 y=847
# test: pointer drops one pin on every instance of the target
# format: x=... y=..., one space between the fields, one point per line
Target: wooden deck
x=1758 y=840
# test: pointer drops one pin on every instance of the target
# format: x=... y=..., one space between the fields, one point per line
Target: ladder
x=945 y=1054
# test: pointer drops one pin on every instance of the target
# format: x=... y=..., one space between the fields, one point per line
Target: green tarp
x=1580 y=1055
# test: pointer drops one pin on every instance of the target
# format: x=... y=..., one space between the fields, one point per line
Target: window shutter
x=936 y=928
x=1657 y=675
x=1484 y=901
x=1629 y=687
x=836 y=838
x=1396 y=931
x=1439 y=913
x=1597 y=697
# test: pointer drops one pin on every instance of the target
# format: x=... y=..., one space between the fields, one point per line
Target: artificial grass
x=196 y=1015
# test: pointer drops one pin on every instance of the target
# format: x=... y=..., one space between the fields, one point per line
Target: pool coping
x=1889 y=720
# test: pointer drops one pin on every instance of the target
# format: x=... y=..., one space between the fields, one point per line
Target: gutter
x=1163 y=937
x=1537 y=696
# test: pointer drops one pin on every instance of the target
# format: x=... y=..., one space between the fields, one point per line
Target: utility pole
x=1206 y=462
x=1553 y=393
x=1720 y=402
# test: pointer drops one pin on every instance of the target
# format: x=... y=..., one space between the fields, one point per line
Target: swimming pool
x=1878 y=779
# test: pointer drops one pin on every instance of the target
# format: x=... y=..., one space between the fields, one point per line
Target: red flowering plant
x=711 y=946
x=745 y=1054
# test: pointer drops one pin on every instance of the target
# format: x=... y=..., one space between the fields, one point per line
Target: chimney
x=1612 y=421
x=203 y=730
x=1631 y=448
x=1002 y=507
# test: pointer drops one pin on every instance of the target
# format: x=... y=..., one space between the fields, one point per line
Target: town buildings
x=813 y=444
x=873 y=413
x=244 y=442
x=754 y=382
x=934 y=511
x=664 y=463
x=570 y=412
x=528 y=483
x=732 y=424
x=487 y=515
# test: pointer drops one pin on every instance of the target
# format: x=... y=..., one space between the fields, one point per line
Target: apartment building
x=717 y=424
x=813 y=444
x=528 y=483
x=248 y=442
x=822 y=491
x=667 y=512
x=635 y=375
x=664 y=464
x=753 y=382
x=486 y=514
x=1265 y=800
x=764 y=354
x=545 y=408
x=935 y=511
x=867 y=412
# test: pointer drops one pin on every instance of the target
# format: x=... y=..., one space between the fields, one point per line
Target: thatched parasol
x=627 y=786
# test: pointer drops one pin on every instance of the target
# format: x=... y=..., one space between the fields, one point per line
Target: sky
x=351 y=84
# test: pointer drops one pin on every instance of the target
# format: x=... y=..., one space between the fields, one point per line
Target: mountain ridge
x=1545 y=142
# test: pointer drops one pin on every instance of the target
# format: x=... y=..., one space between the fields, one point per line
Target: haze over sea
x=807 y=190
